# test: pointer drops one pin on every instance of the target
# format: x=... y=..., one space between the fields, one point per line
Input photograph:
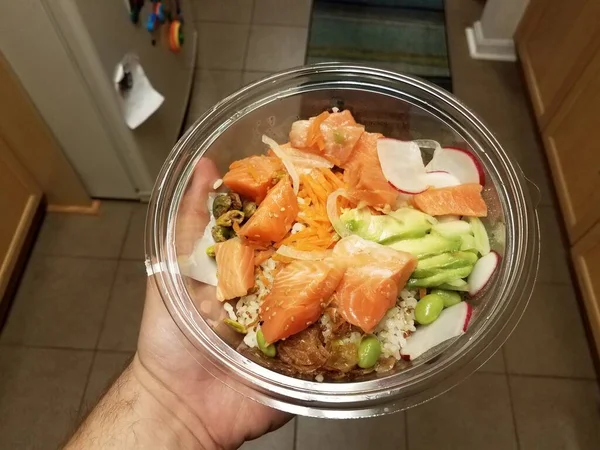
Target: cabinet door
x=586 y=256
x=572 y=146
x=19 y=200
x=555 y=41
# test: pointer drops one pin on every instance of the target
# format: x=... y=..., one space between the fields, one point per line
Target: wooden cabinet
x=559 y=46
x=586 y=257
x=555 y=41
x=19 y=200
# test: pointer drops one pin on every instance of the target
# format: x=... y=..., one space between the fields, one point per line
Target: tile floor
x=74 y=321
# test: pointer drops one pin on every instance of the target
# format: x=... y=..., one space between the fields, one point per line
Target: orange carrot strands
x=260 y=256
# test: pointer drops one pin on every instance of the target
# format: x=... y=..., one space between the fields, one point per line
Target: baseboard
x=73 y=209
x=481 y=47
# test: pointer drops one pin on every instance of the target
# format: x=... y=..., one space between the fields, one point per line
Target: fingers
x=193 y=215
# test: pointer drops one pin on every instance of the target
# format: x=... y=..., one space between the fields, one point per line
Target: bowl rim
x=361 y=398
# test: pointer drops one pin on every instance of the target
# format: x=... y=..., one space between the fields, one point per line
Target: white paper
x=141 y=100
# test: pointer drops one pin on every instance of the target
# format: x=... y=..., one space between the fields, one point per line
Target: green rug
x=407 y=36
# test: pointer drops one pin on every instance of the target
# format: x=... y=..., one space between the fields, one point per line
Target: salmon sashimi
x=253 y=176
x=461 y=200
x=307 y=133
x=235 y=262
x=274 y=217
x=373 y=279
x=364 y=176
x=300 y=294
x=340 y=134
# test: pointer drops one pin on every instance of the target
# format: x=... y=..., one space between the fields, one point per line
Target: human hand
x=166 y=355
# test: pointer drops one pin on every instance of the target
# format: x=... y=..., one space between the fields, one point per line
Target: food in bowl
x=341 y=252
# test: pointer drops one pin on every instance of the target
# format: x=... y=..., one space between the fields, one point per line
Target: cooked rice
x=397 y=324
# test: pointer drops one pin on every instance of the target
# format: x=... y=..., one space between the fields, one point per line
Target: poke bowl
x=366 y=243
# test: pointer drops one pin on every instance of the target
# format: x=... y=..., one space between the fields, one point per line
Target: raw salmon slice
x=235 y=269
x=373 y=279
x=307 y=133
x=364 y=176
x=461 y=200
x=253 y=176
x=300 y=294
x=275 y=215
x=340 y=134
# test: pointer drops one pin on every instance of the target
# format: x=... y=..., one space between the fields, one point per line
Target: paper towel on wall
x=138 y=99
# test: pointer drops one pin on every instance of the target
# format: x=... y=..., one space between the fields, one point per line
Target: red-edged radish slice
x=441 y=179
x=482 y=272
x=451 y=323
x=402 y=165
x=460 y=163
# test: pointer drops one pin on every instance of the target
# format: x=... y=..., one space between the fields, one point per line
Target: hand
x=165 y=354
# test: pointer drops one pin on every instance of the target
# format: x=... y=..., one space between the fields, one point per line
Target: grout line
x=85 y=387
x=551 y=377
x=406 y=440
x=295 y=441
x=251 y=23
x=129 y=222
x=94 y=258
x=247 y=47
x=512 y=410
x=45 y=347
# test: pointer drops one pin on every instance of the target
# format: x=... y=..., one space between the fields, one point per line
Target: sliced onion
x=290 y=252
x=306 y=160
x=285 y=159
x=332 y=212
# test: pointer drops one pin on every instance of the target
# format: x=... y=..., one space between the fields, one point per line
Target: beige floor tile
x=495 y=364
x=235 y=11
x=133 y=247
x=273 y=48
x=554 y=260
x=550 y=338
x=282 y=439
x=125 y=307
x=282 y=12
x=61 y=302
x=85 y=235
x=249 y=77
x=105 y=370
x=40 y=392
x=221 y=45
x=382 y=433
x=210 y=87
x=554 y=414
x=474 y=415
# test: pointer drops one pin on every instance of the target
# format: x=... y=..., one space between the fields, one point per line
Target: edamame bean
x=268 y=350
x=450 y=298
x=368 y=352
x=428 y=308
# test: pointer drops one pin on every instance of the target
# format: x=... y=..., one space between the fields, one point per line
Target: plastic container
x=398 y=106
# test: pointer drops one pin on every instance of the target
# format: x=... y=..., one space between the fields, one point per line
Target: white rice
x=217 y=184
x=247 y=307
x=298 y=227
x=397 y=325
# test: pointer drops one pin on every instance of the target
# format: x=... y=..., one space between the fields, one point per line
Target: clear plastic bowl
x=398 y=106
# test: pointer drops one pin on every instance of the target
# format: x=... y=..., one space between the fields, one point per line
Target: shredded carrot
x=236 y=228
x=422 y=292
x=260 y=256
x=314 y=131
x=253 y=173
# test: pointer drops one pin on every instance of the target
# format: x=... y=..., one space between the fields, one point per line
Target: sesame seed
x=282 y=209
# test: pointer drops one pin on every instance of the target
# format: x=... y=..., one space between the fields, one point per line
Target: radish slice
x=333 y=215
x=460 y=163
x=441 y=179
x=402 y=165
x=451 y=323
x=290 y=252
x=482 y=272
x=285 y=159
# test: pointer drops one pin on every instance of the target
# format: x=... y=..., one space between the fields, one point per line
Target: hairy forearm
x=138 y=412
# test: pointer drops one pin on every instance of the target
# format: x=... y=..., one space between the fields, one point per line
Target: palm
x=165 y=352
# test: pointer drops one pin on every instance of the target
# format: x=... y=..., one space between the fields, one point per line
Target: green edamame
x=268 y=350
x=428 y=309
x=368 y=352
x=450 y=298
